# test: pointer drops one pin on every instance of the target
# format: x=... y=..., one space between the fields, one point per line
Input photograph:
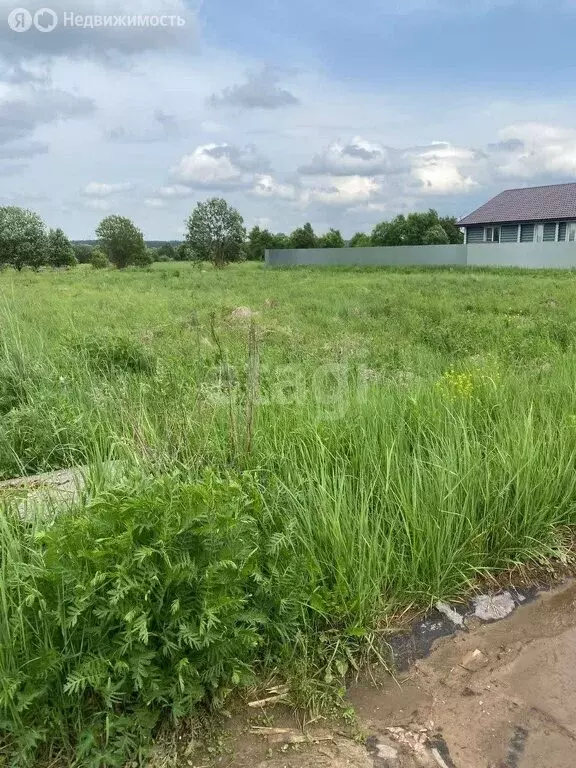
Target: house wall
x=523 y=232
x=529 y=255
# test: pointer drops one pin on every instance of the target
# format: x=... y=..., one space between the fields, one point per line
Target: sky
x=338 y=113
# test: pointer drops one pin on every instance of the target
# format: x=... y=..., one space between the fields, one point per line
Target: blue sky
x=501 y=45
x=338 y=113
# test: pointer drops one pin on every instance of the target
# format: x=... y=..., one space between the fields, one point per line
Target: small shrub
x=144 y=258
x=137 y=607
x=99 y=260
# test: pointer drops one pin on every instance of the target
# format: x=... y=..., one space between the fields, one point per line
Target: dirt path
x=494 y=695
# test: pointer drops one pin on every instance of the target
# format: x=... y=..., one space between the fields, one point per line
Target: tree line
x=215 y=232
x=415 y=229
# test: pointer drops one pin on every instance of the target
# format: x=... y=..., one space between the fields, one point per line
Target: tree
x=99 y=260
x=82 y=252
x=360 y=240
x=332 y=239
x=450 y=225
x=416 y=229
x=166 y=252
x=121 y=240
x=259 y=240
x=22 y=238
x=435 y=236
x=216 y=232
x=181 y=252
x=303 y=237
x=281 y=241
x=418 y=224
x=390 y=232
x=60 y=251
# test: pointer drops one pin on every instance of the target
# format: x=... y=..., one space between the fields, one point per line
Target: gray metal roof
x=557 y=201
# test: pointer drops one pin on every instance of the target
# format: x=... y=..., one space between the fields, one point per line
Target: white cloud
x=441 y=169
x=267 y=186
x=219 y=166
x=261 y=90
x=332 y=191
x=343 y=190
x=203 y=168
x=154 y=202
x=102 y=190
x=359 y=156
x=538 y=150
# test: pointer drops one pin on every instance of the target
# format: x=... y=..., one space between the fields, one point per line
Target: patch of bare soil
x=497 y=694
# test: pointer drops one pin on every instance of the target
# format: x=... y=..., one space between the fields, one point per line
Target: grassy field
x=359 y=441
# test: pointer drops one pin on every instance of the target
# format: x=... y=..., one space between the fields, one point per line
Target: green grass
x=373 y=439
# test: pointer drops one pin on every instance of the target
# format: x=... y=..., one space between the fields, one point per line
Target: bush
x=99 y=260
x=138 y=607
x=144 y=258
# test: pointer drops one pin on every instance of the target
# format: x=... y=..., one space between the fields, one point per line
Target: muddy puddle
x=486 y=694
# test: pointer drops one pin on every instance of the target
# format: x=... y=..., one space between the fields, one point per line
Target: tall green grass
x=270 y=521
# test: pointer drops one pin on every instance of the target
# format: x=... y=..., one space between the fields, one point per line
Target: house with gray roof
x=531 y=214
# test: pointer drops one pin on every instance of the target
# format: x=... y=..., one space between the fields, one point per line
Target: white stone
x=450 y=613
x=474 y=661
x=386 y=752
x=494 y=607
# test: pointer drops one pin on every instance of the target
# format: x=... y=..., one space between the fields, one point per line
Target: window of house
x=527 y=233
x=509 y=233
x=562 y=227
x=475 y=235
x=492 y=234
